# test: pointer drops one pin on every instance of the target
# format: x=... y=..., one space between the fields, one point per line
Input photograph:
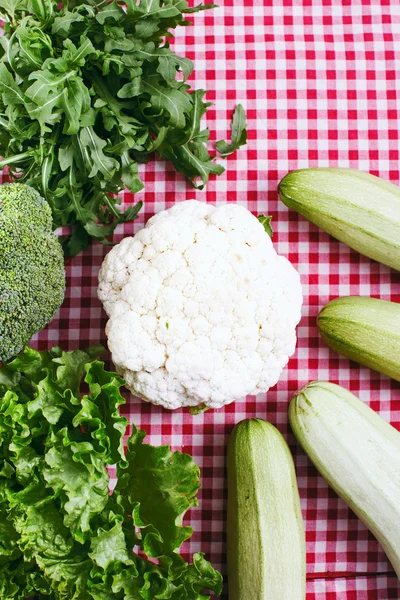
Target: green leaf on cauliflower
x=266 y=223
x=198 y=410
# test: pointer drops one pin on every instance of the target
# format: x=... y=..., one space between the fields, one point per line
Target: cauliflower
x=202 y=310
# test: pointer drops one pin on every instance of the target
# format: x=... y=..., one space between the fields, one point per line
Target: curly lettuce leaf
x=161 y=485
x=62 y=535
x=9 y=550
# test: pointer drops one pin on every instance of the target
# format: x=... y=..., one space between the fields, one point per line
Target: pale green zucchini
x=357 y=452
x=266 y=543
x=357 y=208
x=366 y=330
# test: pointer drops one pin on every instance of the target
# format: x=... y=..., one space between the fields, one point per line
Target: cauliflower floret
x=202 y=310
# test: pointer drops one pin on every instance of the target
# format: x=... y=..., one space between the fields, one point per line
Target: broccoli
x=32 y=275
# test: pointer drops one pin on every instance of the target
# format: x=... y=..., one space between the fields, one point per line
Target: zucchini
x=357 y=452
x=357 y=208
x=266 y=544
x=366 y=330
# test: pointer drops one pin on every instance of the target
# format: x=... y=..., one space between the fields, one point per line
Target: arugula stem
x=14 y=159
x=112 y=208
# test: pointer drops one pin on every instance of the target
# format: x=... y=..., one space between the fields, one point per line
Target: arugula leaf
x=266 y=223
x=62 y=535
x=87 y=91
x=200 y=7
x=9 y=7
x=63 y=24
x=175 y=102
x=43 y=10
x=238 y=133
x=93 y=156
x=110 y=11
x=169 y=63
x=11 y=93
x=193 y=160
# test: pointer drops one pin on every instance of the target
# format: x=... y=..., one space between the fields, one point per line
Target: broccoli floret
x=32 y=275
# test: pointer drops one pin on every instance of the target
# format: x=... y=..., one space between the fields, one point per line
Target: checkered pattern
x=320 y=81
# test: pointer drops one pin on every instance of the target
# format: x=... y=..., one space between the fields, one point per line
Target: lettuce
x=62 y=534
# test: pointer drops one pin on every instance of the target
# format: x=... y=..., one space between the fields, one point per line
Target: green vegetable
x=266 y=223
x=266 y=544
x=238 y=135
x=357 y=452
x=32 y=276
x=357 y=208
x=62 y=535
x=90 y=90
x=365 y=330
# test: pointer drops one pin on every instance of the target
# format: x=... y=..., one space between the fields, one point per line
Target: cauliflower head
x=202 y=310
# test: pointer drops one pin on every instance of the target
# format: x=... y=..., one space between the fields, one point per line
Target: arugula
x=238 y=133
x=88 y=90
x=62 y=535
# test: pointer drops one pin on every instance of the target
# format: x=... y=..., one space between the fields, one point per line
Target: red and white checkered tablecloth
x=320 y=81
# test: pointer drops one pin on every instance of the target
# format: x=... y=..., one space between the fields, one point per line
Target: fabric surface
x=320 y=82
